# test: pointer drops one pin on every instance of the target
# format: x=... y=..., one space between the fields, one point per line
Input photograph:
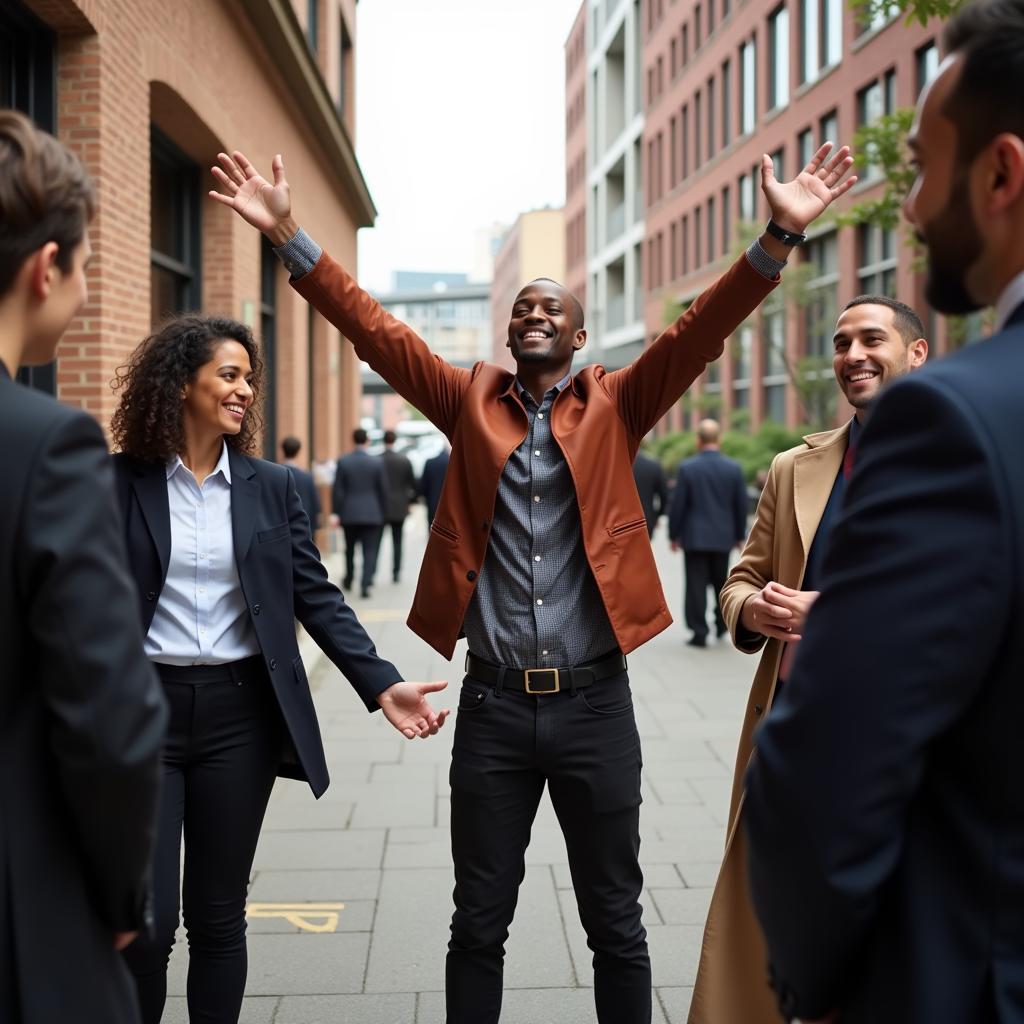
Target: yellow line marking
x=310 y=917
x=382 y=615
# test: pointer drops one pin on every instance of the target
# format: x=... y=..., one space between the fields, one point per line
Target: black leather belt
x=539 y=681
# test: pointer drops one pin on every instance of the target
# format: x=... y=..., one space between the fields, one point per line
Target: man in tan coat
x=765 y=603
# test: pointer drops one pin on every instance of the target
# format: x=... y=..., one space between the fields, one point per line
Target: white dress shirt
x=202 y=617
x=1009 y=299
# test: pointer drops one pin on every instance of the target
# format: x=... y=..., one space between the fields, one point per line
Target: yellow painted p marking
x=310 y=917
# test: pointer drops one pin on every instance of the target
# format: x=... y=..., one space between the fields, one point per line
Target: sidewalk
x=351 y=895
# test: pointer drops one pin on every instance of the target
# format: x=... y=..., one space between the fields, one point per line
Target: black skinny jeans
x=220 y=759
x=586 y=748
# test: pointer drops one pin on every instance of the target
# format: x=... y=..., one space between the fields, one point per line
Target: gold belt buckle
x=530 y=672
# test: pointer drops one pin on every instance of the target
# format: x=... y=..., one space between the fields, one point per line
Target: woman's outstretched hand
x=406 y=707
x=267 y=207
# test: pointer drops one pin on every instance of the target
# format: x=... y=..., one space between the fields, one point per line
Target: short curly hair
x=149 y=422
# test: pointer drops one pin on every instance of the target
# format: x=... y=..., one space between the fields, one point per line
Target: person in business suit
x=649 y=478
x=305 y=485
x=431 y=481
x=82 y=713
x=707 y=519
x=358 y=499
x=539 y=555
x=884 y=809
x=401 y=481
x=765 y=603
x=220 y=549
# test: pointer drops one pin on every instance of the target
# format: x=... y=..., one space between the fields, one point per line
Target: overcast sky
x=460 y=122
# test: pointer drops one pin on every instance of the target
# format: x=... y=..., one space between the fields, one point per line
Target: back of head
x=360 y=436
x=708 y=432
x=45 y=196
x=390 y=437
x=986 y=101
x=291 y=446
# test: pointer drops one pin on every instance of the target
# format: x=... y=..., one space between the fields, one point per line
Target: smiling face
x=218 y=396
x=546 y=325
x=870 y=352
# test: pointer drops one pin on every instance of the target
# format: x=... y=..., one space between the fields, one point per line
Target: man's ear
x=1006 y=174
x=579 y=341
x=42 y=269
x=918 y=353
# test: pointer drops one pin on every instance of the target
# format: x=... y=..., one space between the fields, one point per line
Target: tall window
x=27 y=83
x=832 y=32
x=927 y=61
x=711 y=117
x=696 y=238
x=828 y=129
x=313 y=24
x=746 y=191
x=874 y=101
x=345 y=67
x=877 y=17
x=726 y=218
x=726 y=102
x=778 y=58
x=685 y=243
x=699 y=128
x=268 y=345
x=805 y=147
x=779 y=163
x=712 y=240
x=876 y=269
x=748 y=84
x=773 y=334
x=174 y=229
x=822 y=254
x=684 y=141
x=697 y=27
x=673 y=251
x=685 y=44
x=673 y=153
x=741 y=367
x=821 y=36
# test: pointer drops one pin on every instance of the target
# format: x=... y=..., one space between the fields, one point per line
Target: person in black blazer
x=707 y=519
x=650 y=485
x=220 y=549
x=431 y=481
x=358 y=498
x=884 y=805
x=305 y=485
x=401 y=481
x=82 y=716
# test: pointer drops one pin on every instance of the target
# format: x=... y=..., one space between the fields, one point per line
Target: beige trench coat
x=732 y=985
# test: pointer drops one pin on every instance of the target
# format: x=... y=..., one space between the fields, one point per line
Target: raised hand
x=794 y=204
x=406 y=707
x=266 y=207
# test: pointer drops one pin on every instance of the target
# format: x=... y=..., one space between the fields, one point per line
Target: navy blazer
x=709 y=503
x=884 y=805
x=649 y=478
x=309 y=496
x=282 y=578
x=360 y=493
x=431 y=483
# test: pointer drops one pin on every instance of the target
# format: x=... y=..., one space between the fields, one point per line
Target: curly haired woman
x=223 y=560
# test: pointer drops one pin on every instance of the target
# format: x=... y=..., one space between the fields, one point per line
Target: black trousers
x=704 y=569
x=397 y=529
x=221 y=756
x=586 y=748
x=368 y=538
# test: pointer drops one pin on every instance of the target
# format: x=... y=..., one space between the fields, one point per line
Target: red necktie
x=851 y=454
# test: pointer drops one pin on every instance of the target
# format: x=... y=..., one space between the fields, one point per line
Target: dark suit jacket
x=884 y=805
x=401 y=484
x=430 y=483
x=360 y=491
x=282 y=579
x=650 y=485
x=709 y=503
x=309 y=496
x=82 y=722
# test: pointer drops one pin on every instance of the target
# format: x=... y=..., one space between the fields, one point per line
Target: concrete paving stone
x=320 y=850
x=407 y=772
x=355 y=916
x=309 y=815
x=314 y=886
x=682 y=906
x=307 y=964
x=669 y=788
x=675 y=950
x=676 y=748
x=675 y=1002
x=387 y=804
x=366 y=751
x=436 y=853
x=411 y=931
x=688 y=836
x=713 y=792
x=399 y=1008
x=255 y=1010
x=536 y=955
x=683 y=849
x=659 y=816
x=699 y=874
x=531 y=1006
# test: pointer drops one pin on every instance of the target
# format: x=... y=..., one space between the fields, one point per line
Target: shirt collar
x=223 y=465
x=560 y=386
x=1010 y=298
x=854 y=435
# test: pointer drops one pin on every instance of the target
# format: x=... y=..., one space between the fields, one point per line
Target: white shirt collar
x=223 y=465
x=1010 y=298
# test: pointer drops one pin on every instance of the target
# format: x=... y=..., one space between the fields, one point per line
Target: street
x=351 y=895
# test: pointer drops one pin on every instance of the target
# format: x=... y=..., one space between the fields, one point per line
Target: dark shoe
x=697 y=641
x=394 y=577
x=365 y=592
x=723 y=631
x=346 y=583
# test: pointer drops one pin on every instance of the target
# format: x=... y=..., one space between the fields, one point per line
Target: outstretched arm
x=648 y=388
x=392 y=348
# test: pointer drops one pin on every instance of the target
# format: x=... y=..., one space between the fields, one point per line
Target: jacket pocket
x=274 y=533
x=443 y=531
x=633 y=524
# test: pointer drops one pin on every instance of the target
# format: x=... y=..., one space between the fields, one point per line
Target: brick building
x=533 y=247
x=147 y=93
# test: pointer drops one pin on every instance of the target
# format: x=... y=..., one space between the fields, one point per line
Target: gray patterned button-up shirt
x=536 y=602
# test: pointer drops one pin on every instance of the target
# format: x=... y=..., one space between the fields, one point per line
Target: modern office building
x=147 y=93
x=533 y=247
x=576 y=187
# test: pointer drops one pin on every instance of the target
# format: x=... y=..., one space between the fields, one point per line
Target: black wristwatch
x=784 y=236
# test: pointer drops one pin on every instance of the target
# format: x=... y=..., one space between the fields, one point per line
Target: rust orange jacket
x=598 y=422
